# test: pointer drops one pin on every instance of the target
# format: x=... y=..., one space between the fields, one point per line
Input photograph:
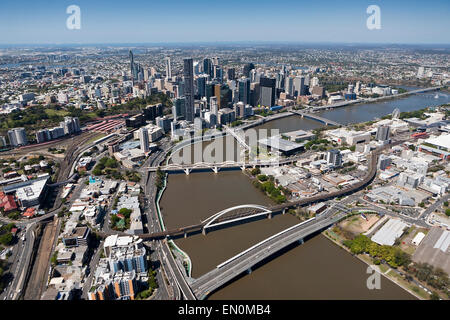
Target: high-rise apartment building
x=17 y=137
x=382 y=133
x=334 y=157
x=144 y=141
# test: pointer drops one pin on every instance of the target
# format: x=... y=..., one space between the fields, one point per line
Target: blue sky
x=150 y=21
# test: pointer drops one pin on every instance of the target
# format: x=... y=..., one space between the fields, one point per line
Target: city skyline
x=286 y=21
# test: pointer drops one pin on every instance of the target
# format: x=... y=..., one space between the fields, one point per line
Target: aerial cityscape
x=224 y=170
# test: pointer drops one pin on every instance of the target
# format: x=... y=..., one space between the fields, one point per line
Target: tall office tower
x=17 y=137
x=382 y=133
x=334 y=157
x=299 y=85
x=255 y=98
x=146 y=74
x=168 y=68
x=207 y=67
x=133 y=68
x=218 y=73
x=239 y=109
x=247 y=68
x=231 y=74
x=289 y=86
x=178 y=108
x=267 y=91
x=209 y=90
x=143 y=138
x=151 y=112
x=188 y=73
x=279 y=84
x=244 y=90
x=201 y=85
x=214 y=106
x=314 y=82
x=217 y=94
x=216 y=61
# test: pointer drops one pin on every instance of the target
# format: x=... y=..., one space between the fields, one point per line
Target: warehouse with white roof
x=389 y=232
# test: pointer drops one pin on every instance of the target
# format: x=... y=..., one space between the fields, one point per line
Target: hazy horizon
x=200 y=21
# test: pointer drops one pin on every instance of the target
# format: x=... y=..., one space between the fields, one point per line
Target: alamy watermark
x=73 y=22
x=374 y=20
x=374 y=280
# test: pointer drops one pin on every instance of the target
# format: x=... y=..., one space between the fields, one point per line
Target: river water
x=317 y=269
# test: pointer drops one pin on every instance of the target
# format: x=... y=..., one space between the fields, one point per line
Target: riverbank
x=384 y=270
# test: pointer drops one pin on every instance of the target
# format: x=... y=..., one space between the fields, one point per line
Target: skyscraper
x=143 y=137
x=168 y=68
x=382 y=133
x=247 y=68
x=231 y=74
x=244 y=90
x=289 y=86
x=299 y=84
x=132 y=66
x=267 y=89
x=214 y=106
x=178 y=108
x=207 y=66
x=188 y=73
x=201 y=85
x=17 y=137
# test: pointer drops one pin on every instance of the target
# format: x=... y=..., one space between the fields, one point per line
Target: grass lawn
x=411 y=286
x=383 y=268
x=52 y=112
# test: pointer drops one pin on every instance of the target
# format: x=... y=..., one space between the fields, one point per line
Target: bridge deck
x=221 y=275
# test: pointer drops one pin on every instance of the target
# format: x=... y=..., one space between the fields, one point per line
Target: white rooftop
x=442 y=141
x=390 y=231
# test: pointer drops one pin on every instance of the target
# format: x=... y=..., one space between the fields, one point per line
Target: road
x=244 y=261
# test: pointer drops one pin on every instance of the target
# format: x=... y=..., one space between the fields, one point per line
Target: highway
x=162 y=251
x=235 y=266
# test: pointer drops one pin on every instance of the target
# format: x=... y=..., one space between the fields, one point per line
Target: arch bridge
x=235 y=214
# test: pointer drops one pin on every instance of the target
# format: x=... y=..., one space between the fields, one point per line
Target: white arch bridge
x=235 y=214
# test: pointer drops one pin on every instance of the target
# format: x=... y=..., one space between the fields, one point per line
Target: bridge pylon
x=187 y=171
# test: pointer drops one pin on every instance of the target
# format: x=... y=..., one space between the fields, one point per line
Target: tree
x=434 y=296
x=447 y=212
x=6 y=238
x=262 y=177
